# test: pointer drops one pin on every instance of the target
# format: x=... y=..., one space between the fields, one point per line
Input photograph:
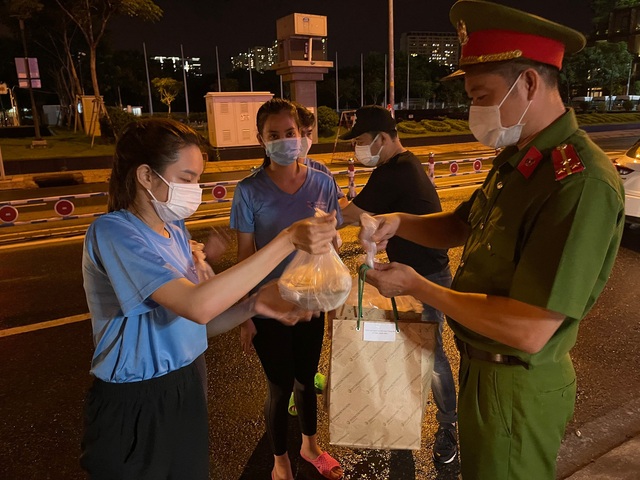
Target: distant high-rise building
x=441 y=47
x=173 y=65
x=260 y=58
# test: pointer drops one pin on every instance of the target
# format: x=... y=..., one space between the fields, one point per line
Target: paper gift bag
x=380 y=373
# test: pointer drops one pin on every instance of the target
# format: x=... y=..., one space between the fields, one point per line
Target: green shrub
x=110 y=128
x=435 y=126
x=599 y=118
x=457 y=125
x=327 y=120
x=410 y=127
x=584 y=106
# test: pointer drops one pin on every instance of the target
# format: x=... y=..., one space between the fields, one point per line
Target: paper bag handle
x=362 y=275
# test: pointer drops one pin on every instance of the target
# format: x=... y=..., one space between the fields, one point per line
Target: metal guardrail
x=64 y=205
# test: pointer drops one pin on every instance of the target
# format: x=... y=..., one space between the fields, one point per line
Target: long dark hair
x=274 y=107
x=155 y=142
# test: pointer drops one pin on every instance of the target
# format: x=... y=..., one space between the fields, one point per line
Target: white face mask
x=305 y=146
x=283 y=151
x=486 y=126
x=363 y=154
x=183 y=200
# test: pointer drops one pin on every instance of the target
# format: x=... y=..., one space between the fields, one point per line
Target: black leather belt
x=476 y=353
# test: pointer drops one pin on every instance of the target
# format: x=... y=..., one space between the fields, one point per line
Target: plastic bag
x=369 y=226
x=316 y=282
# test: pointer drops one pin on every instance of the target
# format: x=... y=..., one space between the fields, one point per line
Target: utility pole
x=146 y=67
x=361 y=80
x=249 y=63
x=408 y=65
x=184 y=77
x=392 y=85
x=218 y=70
x=337 y=96
x=385 y=81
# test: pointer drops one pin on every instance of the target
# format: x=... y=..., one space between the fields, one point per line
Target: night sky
x=354 y=27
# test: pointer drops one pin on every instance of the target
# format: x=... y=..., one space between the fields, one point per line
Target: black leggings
x=289 y=357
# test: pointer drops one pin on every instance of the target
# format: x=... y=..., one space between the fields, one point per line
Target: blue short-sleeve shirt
x=261 y=208
x=311 y=163
x=124 y=262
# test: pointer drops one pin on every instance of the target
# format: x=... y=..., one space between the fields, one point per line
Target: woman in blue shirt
x=284 y=191
x=146 y=413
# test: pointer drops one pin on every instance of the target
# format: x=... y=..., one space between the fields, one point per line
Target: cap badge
x=462 y=32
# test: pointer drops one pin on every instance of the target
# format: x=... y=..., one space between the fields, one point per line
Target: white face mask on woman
x=283 y=151
x=363 y=154
x=182 y=201
x=486 y=126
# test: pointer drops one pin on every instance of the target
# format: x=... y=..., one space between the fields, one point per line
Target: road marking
x=46 y=241
x=40 y=326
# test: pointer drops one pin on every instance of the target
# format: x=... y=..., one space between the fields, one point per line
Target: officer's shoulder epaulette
x=566 y=161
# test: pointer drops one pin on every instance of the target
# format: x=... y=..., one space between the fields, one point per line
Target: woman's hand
x=247 y=332
x=393 y=279
x=269 y=303
x=216 y=245
x=313 y=234
x=203 y=269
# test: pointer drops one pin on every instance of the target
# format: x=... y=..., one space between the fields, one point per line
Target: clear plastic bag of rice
x=316 y=282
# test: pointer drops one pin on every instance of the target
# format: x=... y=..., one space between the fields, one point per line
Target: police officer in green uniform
x=540 y=238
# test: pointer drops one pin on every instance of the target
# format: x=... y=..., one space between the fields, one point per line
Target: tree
x=92 y=17
x=604 y=65
x=168 y=89
x=327 y=120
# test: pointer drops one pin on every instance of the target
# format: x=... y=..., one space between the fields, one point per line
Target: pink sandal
x=325 y=463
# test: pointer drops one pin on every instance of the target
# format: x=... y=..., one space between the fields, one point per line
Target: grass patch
x=63 y=143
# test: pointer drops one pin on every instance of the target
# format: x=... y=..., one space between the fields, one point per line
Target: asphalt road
x=44 y=372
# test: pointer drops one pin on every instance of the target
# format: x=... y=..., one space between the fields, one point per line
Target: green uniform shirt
x=546 y=242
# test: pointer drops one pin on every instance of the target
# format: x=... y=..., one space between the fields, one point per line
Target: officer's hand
x=387 y=227
x=393 y=279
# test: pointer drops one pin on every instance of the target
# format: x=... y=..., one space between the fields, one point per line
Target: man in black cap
x=540 y=239
x=400 y=184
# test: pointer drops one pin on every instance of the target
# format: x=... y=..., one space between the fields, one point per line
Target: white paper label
x=379 y=332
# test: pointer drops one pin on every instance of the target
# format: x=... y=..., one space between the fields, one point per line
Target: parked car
x=628 y=167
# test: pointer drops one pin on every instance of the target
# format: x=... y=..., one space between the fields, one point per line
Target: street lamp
x=79 y=57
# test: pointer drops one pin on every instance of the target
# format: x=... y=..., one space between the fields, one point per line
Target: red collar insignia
x=566 y=161
x=529 y=162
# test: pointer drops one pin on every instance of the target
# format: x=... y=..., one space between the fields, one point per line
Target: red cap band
x=497 y=45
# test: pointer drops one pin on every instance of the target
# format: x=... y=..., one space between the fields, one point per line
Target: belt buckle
x=498 y=358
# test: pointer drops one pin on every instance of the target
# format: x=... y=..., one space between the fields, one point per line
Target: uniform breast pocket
x=478 y=209
x=501 y=248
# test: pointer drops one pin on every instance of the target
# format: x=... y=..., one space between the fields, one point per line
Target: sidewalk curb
x=594 y=439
